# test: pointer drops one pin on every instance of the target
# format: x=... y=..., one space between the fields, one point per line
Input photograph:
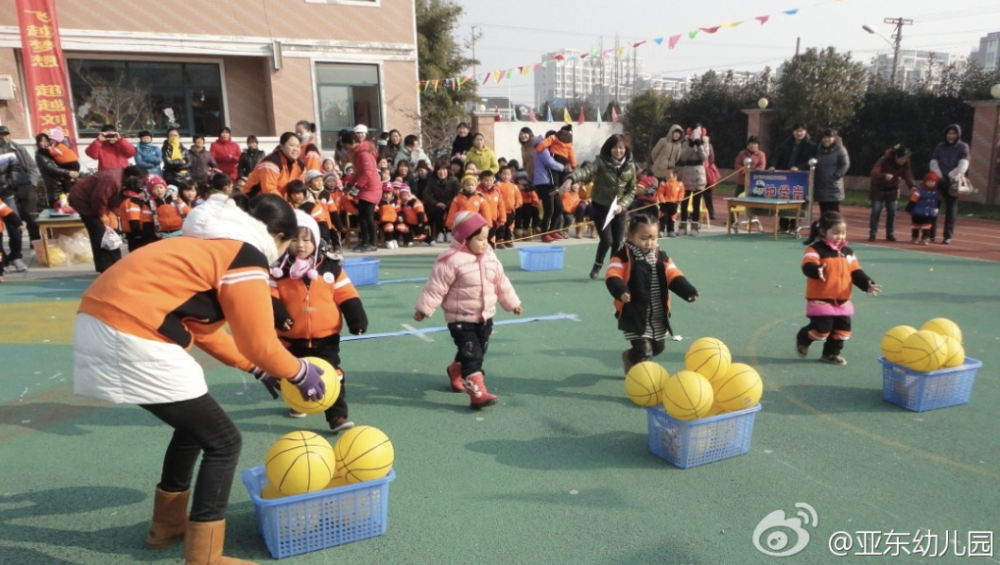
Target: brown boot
x=169 y=519
x=203 y=545
x=478 y=395
x=579 y=232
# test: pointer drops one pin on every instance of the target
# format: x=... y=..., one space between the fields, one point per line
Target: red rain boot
x=478 y=395
x=454 y=372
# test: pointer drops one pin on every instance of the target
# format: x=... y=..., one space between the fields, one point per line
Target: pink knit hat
x=154 y=180
x=466 y=224
x=57 y=134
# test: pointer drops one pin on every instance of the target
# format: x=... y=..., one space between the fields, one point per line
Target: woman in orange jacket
x=274 y=172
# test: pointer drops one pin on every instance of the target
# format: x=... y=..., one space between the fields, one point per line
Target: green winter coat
x=609 y=181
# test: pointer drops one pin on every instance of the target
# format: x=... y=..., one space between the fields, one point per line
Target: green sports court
x=559 y=472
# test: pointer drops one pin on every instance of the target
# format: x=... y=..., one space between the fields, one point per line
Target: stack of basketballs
x=711 y=383
x=305 y=462
x=936 y=345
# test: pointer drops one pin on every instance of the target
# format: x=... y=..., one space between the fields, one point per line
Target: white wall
x=587 y=138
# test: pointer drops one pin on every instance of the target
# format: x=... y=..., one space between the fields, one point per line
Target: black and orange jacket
x=171 y=214
x=494 y=209
x=146 y=295
x=273 y=174
x=319 y=213
x=413 y=212
x=636 y=278
x=318 y=307
x=466 y=203
x=5 y=211
x=840 y=269
x=135 y=213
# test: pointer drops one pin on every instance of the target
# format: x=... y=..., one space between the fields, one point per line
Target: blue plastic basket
x=928 y=391
x=299 y=524
x=688 y=444
x=362 y=270
x=547 y=258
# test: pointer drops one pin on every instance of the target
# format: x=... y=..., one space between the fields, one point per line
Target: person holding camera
x=110 y=150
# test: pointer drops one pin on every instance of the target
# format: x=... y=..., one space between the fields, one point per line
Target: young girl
x=314 y=299
x=388 y=214
x=467 y=281
x=169 y=210
x=187 y=192
x=670 y=195
x=831 y=268
x=638 y=277
x=925 y=202
x=468 y=199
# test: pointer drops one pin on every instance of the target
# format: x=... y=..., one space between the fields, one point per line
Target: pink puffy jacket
x=467 y=286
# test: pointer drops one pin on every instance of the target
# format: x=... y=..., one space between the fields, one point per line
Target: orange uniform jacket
x=413 y=212
x=5 y=211
x=171 y=215
x=134 y=209
x=224 y=280
x=63 y=154
x=465 y=203
x=529 y=197
x=670 y=191
x=387 y=213
x=273 y=174
x=319 y=307
x=312 y=157
x=557 y=147
x=840 y=269
x=511 y=197
x=493 y=210
x=570 y=200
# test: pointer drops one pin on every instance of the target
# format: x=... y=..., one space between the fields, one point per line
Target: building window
x=146 y=95
x=348 y=95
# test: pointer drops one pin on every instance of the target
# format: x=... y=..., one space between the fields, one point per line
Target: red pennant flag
x=487 y=79
x=672 y=42
x=582 y=118
x=762 y=19
x=614 y=117
x=710 y=29
x=533 y=118
x=496 y=116
x=559 y=57
x=634 y=45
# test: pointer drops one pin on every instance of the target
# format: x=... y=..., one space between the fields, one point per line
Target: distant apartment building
x=914 y=66
x=988 y=54
x=591 y=78
x=669 y=86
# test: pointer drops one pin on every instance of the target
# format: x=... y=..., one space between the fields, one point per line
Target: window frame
x=379 y=88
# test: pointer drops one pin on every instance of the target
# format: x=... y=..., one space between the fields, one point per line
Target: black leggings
x=436 y=217
x=327 y=349
x=366 y=222
x=103 y=258
x=644 y=349
x=695 y=213
x=551 y=207
x=834 y=329
x=610 y=238
x=472 y=340
x=201 y=427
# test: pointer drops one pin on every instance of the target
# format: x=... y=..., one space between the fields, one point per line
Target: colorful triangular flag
x=762 y=19
x=566 y=118
x=691 y=34
x=496 y=76
x=496 y=115
x=634 y=45
x=709 y=29
x=658 y=41
x=582 y=118
x=791 y=12
x=733 y=24
x=614 y=117
x=532 y=117
x=548 y=117
x=513 y=113
x=487 y=79
x=510 y=73
x=599 y=116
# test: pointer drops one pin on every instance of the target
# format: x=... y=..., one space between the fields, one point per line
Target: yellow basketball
x=300 y=462
x=945 y=327
x=892 y=343
x=337 y=482
x=687 y=396
x=739 y=389
x=644 y=382
x=270 y=492
x=954 y=354
x=924 y=351
x=715 y=411
x=293 y=397
x=708 y=357
x=364 y=453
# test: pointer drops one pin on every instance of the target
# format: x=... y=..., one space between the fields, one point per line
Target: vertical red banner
x=44 y=67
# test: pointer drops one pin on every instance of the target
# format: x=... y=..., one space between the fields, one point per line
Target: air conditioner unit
x=6 y=87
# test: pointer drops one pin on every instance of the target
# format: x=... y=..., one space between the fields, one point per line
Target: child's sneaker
x=695 y=230
x=340 y=424
x=671 y=234
x=833 y=359
x=293 y=414
x=440 y=237
x=925 y=241
x=801 y=350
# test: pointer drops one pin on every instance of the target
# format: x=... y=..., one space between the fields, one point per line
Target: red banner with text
x=44 y=68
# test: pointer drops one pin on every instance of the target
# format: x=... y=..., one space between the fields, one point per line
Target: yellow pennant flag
x=566 y=117
x=496 y=76
x=621 y=50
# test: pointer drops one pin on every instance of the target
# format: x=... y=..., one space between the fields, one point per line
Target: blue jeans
x=13 y=231
x=890 y=217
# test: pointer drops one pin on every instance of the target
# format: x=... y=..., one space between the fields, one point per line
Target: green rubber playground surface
x=560 y=471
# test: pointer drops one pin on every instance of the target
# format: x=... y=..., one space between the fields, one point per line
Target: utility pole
x=897 y=37
x=472 y=41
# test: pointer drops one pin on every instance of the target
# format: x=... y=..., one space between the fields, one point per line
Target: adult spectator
x=614 y=175
x=393 y=143
x=793 y=155
x=250 y=157
x=462 y=142
x=134 y=327
x=176 y=163
x=411 y=152
x=482 y=156
x=202 y=162
x=548 y=173
x=442 y=187
x=311 y=155
x=754 y=160
x=526 y=138
x=147 y=155
x=667 y=151
x=950 y=160
x=274 y=172
x=691 y=166
x=18 y=175
x=832 y=163
x=226 y=153
x=366 y=180
x=110 y=150
x=54 y=176
x=95 y=198
x=883 y=191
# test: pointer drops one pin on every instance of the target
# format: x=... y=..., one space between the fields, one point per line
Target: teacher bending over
x=614 y=176
x=135 y=326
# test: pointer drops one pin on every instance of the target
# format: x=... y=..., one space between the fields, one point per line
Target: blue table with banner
x=774 y=191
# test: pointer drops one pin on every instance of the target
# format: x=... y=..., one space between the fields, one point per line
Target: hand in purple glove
x=269 y=382
x=309 y=381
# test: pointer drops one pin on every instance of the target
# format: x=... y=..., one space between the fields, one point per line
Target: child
x=5 y=211
x=332 y=197
x=219 y=183
x=386 y=216
x=187 y=193
x=526 y=217
x=136 y=215
x=169 y=210
x=638 y=277
x=493 y=211
x=831 y=268
x=511 y=203
x=645 y=194
x=414 y=220
x=561 y=147
x=313 y=298
x=670 y=195
x=63 y=154
x=925 y=201
x=570 y=205
x=467 y=281
x=299 y=197
x=467 y=200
